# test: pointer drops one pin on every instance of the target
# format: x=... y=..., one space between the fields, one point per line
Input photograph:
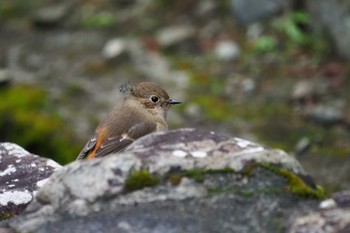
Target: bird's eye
x=154 y=99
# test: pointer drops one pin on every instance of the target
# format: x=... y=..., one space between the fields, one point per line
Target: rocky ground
x=265 y=77
x=183 y=180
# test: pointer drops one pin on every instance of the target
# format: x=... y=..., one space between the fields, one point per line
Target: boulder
x=21 y=175
x=250 y=11
x=184 y=180
x=331 y=18
x=333 y=216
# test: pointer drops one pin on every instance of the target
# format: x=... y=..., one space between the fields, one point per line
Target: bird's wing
x=97 y=146
x=118 y=143
x=88 y=147
x=112 y=145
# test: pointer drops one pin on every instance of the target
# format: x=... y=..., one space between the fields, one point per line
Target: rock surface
x=21 y=175
x=332 y=17
x=333 y=216
x=248 y=11
x=179 y=181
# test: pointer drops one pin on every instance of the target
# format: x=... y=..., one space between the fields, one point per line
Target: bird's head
x=153 y=97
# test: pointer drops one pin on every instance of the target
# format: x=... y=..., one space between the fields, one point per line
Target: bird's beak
x=170 y=101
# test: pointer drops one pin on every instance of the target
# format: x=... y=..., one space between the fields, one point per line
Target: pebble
x=173 y=35
x=50 y=16
x=114 y=48
x=226 y=50
x=5 y=77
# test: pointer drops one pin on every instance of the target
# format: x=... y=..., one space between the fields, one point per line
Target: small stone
x=205 y=7
x=179 y=153
x=302 y=145
x=5 y=77
x=199 y=154
x=302 y=89
x=50 y=16
x=239 y=86
x=226 y=50
x=170 y=36
x=249 y=11
x=324 y=114
x=114 y=48
x=307 y=89
x=327 y=204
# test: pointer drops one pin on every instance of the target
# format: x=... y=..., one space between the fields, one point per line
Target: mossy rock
x=139 y=180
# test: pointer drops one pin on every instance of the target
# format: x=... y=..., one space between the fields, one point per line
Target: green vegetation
x=286 y=35
x=139 y=180
x=98 y=20
x=289 y=25
x=296 y=184
x=27 y=119
x=265 y=44
x=4 y=216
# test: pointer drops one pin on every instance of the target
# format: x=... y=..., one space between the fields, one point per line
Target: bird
x=143 y=110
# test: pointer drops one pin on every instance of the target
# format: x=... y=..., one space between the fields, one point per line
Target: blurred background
x=272 y=71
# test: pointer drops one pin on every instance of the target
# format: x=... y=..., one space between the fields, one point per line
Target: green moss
x=4 y=216
x=196 y=174
x=27 y=118
x=296 y=184
x=98 y=20
x=139 y=180
x=265 y=44
x=175 y=179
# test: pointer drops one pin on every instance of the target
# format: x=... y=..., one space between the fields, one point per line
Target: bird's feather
x=112 y=145
x=97 y=146
x=88 y=147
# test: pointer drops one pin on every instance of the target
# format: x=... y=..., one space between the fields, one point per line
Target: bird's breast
x=162 y=126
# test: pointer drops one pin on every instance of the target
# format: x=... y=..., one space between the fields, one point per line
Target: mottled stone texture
x=21 y=175
x=184 y=180
x=332 y=18
x=333 y=216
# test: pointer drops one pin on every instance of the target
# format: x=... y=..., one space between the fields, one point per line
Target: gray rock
x=205 y=8
x=5 y=77
x=170 y=36
x=239 y=86
x=51 y=15
x=178 y=181
x=227 y=50
x=332 y=17
x=313 y=99
x=333 y=216
x=324 y=114
x=114 y=48
x=249 y=11
x=21 y=175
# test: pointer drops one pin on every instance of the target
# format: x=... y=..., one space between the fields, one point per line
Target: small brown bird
x=142 y=111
